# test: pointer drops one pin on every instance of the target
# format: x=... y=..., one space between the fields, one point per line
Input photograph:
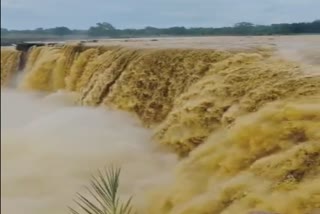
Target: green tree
x=60 y=31
x=106 y=26
x=244 y=24
x=103 y=29
x=243 y=28
x=4 y=31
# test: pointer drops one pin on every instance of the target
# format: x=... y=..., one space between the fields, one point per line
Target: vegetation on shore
x=108 y=30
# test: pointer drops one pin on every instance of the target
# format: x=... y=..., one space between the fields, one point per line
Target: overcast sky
x=80 y=14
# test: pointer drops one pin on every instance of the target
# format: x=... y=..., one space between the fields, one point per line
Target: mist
x=50 y=148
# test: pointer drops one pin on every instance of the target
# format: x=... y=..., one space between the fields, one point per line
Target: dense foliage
x=107 y=30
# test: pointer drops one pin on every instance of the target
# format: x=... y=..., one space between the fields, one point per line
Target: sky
x=81 y=14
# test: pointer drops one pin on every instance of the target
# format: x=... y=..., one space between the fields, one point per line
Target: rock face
x=26 y=46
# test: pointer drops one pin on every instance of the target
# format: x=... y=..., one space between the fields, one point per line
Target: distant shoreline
x=106 y=30
x=9 y=41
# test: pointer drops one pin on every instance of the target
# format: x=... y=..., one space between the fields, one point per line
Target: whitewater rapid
x=245 y=125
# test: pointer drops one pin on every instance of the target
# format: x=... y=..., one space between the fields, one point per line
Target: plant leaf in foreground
x=103 y=189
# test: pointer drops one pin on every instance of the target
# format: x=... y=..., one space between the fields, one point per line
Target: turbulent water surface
x=195 y=131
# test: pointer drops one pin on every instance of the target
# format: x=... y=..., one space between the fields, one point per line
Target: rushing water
x=246 y=125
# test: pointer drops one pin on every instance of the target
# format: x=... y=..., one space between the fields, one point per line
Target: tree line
x=106 y=29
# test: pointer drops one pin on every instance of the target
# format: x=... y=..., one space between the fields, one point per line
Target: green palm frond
x=103 y=188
